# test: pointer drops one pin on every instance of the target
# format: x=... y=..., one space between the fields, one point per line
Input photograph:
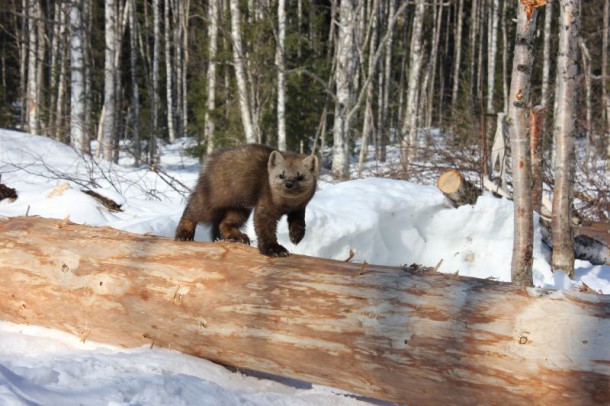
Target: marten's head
x=292 y=175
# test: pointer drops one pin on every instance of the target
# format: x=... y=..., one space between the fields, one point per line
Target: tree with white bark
x=210 y=123
x=410 y=124
x=347 y=63
x=564 y=133
x=109 y=133
x=79 y=138
x=281 y=75
x=521 y=267
x=247 y=118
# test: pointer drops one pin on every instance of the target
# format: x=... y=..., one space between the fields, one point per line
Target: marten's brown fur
x=237 y=180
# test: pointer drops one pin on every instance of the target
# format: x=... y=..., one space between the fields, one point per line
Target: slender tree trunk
x=154 y=129
x=87 y=17
x=410 y=128
x=546 y=53
x=536 y=130
x=54 y=41
x=57 y=129
x=109 y=121
x=347 y=60
x=135 y=95
x=23 y=48
x=210 y=120
x=384 y=125
x=521 y=269
x=505 y=77
x=281 y=76
x=240 y=74
x=473 y=36
x=586 y=66
x=169 y=86
x=368 y=124
x=432 y=66
x=458 y=51
x=78 y=135
x=185 y=13
x=564 y=134
x=492 y=47
x=33 y=93
x=605 y=96
x=178 y=64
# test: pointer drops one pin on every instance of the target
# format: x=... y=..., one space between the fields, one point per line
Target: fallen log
x=402 y=335
x=456 y=189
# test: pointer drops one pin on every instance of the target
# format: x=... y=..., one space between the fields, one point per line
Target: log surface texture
x=406 y=336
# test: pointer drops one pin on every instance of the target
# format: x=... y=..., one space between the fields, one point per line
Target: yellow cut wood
x=409 y=336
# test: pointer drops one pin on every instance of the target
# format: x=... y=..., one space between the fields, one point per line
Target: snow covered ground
x=382 y=221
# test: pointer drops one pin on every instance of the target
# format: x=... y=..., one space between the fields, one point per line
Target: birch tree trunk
x=59 y=88
x=78 y=136
x=385 y=125
x=546 y=53
x=22 y=46
x=473 y=35
x=521 y=268
x=240 y=74
x=135 y=95
x=33 y=93
x=564 y=134
x=178 y=63
x=492 y=46
x=411 y=118
x=281 y=76
x=505 y=68
x=432 y=68
x=169 y=73
x=87 y=17
x=458 y=51
x=368 y=124
x=109 y=133
x=185 y=7
x=347 y=60
x=210 y=123
x=605 y=95
x=153 y=156
x=586 y=67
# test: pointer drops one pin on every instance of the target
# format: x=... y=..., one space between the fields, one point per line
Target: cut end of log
x=456 y=189
x=450 y=181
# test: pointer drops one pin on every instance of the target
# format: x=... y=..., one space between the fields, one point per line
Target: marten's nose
x=288 y=185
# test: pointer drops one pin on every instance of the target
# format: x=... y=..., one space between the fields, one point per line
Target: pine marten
x=235 y=181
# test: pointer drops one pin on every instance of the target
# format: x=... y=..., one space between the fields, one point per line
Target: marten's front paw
x=239 y=237
x=274 y=250
x=296 y=232
x=184 y=235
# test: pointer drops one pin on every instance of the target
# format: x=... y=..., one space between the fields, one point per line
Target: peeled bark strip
x=389 y=333
x=456 y=189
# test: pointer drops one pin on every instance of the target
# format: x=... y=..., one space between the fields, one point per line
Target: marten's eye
x=281 y=175
x=300 y=177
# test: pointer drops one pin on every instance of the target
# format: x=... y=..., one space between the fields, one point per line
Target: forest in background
x=298 y=75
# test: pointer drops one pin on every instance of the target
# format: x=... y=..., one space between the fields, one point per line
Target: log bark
x=456 y=189
x=401 y=335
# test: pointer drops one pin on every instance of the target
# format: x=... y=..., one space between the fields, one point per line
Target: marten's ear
x=311 y=163
x=275 y=159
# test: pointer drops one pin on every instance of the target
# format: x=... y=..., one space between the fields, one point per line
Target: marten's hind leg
x=195 y=212
x=231 y=224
